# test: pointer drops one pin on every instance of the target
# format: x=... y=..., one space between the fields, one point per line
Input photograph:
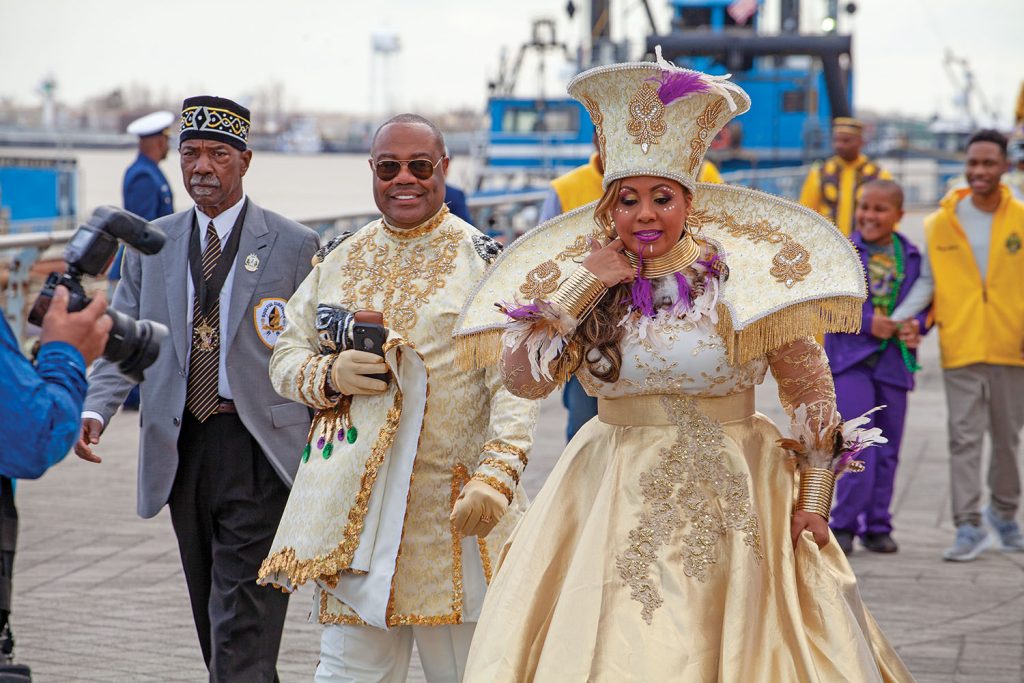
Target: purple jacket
x=847 y=350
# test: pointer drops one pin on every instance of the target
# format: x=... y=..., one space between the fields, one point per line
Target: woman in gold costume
x=680 y=537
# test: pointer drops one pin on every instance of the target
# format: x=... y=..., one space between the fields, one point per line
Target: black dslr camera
x=132 y=344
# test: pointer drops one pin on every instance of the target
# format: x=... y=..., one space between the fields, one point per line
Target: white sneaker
x=971 y=541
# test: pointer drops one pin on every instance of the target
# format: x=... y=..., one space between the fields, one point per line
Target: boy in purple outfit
x=876 y=366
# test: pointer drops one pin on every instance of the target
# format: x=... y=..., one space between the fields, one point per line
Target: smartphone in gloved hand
x=369 y=334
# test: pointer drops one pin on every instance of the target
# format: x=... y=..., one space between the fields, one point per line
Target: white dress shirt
x=223 y=223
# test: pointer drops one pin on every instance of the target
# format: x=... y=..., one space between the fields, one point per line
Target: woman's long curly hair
x=600 y=334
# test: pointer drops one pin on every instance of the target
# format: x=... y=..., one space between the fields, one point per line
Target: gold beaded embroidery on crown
x=644 y=129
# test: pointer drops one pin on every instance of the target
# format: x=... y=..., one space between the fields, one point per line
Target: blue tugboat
x=798 y=82
x=530 y=140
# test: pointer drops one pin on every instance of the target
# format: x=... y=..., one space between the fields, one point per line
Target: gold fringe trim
x=805 y=319
x=326 y=568
x=478 y=350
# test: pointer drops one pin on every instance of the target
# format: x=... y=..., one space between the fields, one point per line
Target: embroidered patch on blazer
x=269 y=319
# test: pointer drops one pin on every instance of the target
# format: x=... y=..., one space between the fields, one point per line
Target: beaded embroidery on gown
x=659 y=548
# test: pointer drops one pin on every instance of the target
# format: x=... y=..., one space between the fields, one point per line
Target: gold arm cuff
x=579 y=293
x=816 y=488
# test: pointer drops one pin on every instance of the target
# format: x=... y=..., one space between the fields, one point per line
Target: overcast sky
x=320 y=49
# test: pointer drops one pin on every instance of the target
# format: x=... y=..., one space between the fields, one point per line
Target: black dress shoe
x=879 y=543
x=845 y=541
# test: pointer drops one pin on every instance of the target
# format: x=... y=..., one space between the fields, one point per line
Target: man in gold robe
x=832 y=186
x=464 y=437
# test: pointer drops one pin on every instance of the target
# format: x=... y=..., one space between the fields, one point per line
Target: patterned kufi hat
x=846 y=124
x=654 y=118
x=214 y=118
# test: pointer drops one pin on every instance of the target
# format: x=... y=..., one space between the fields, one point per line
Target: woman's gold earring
x=612 y=232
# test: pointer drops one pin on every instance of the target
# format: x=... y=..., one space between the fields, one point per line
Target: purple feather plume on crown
x=679 y=84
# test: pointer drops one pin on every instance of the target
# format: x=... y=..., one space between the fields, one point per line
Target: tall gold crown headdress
x=654 y=118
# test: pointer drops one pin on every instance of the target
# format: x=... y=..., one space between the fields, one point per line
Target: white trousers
x=364 y=654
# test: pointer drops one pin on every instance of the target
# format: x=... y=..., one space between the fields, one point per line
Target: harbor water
x=301 y=187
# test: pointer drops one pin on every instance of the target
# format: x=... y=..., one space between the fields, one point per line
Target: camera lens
x=133 y=344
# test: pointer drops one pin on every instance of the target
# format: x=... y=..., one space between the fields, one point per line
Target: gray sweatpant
x=984 y=396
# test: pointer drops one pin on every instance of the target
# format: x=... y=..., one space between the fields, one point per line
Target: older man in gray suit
x=218 y=444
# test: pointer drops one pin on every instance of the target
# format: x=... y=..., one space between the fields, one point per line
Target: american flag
x=742 y=10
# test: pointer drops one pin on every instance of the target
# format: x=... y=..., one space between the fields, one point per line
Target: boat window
x=563 y=119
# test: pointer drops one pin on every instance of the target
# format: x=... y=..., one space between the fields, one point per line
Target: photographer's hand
x=86 y=330
x=90 y=436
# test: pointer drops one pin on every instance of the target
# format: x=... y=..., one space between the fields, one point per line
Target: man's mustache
x=209 y=180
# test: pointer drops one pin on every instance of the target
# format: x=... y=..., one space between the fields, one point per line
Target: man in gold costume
x=832 y=186
x=398 y=530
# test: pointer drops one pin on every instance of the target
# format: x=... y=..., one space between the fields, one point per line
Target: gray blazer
x=155 y=287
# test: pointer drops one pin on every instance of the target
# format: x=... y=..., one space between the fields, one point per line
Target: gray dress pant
x=980 y=398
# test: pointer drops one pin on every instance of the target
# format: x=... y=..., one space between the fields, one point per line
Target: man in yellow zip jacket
x=975 y=258
x=569 y=191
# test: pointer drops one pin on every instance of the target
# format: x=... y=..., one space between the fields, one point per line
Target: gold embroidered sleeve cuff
x=579 y=293
x=315 y=390
x=495 y=484
x=816 y=488
x=501 y=462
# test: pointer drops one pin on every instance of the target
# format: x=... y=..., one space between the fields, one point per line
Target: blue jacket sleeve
x=142 y=197
x=41 y=405
x=456 y=201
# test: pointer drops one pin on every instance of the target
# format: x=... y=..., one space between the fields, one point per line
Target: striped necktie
x=201 y=397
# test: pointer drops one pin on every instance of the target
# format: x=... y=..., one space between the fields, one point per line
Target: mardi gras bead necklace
x=890 y=306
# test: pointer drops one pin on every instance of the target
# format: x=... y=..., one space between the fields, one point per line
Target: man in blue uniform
x=145 y=190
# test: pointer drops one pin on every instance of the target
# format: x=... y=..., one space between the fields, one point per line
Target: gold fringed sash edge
x=805 y=319
x=326 y=568
x=478 y=349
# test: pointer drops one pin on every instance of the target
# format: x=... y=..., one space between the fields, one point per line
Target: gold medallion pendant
x=204 y=336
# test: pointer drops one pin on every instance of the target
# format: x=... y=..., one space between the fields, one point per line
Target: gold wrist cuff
x=579 y=293
x=816 y=488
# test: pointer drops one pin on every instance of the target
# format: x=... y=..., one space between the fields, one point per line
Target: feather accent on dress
x=835 y=444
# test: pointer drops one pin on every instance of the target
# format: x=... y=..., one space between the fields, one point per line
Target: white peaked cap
x=151 y=124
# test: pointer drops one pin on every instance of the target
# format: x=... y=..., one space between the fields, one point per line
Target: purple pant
x=863 y=498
